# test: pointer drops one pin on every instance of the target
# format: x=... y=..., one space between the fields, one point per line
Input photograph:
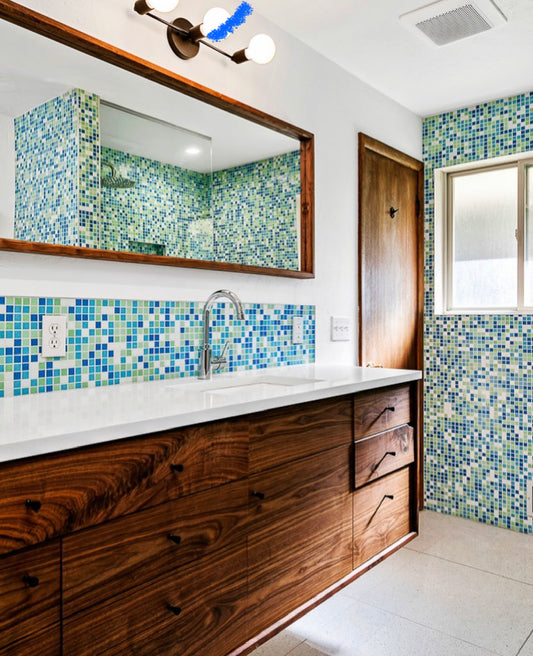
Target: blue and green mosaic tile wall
x=46 y=179
x=478 y=368
x=57 y=179
x=158 y=210
x=254 y=213
x=122 y=341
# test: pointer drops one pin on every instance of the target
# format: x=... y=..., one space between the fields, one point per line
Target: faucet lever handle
x=219 y=360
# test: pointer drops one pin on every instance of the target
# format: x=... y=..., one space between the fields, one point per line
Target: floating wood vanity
x=208 y=538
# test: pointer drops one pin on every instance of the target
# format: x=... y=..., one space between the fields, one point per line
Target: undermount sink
x=257 y=383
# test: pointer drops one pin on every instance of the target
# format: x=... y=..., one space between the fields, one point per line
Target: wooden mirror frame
x=41 y=24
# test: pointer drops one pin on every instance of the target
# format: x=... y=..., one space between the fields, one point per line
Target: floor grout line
x=525 y=642
x=478 y=569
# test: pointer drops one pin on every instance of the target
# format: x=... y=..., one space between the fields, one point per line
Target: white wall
x=300 y=87
x=7 y=176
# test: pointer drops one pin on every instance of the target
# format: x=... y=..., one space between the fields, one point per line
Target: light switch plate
x=340 y=329
x=54 y=336
x=297 y=330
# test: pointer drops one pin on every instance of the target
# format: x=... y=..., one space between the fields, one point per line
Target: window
x=488 y=238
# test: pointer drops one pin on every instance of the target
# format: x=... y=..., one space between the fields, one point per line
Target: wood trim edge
x=388 y=151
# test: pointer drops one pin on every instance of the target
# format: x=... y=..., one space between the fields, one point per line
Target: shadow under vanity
x=207 y=538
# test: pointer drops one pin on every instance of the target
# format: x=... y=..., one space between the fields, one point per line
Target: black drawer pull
x=33 y=505
x=32 y=581
x=258 y=495
x=385 y=496
x=388 y=453
x=174 y=609
x=391 y=408
x=177 y=468
x=174 y=538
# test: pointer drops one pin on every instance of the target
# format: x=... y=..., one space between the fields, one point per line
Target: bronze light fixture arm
x=186 y=34
x=185 y=38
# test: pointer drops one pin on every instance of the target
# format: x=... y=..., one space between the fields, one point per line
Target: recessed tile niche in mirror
x=95 y=157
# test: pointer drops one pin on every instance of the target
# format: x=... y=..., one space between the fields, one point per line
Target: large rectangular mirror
x=99 y=162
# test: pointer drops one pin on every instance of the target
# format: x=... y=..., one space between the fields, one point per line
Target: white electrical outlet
x=340 y=329
x=530 y=498
x=54 y=336
x=297 y=330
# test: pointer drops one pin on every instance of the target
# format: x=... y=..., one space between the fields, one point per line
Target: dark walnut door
x=390 y=249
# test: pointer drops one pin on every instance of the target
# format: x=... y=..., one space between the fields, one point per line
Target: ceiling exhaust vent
x=451 y=20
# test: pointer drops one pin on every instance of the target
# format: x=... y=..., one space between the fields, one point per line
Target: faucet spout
x=205 y=368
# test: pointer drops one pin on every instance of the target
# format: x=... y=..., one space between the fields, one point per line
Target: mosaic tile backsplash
x=122 y=341
x=478 y=368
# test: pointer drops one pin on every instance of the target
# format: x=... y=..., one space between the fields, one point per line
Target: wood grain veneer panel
x=384 y=453
x=106 y=560
x=44 y=643
x=285 y=434
x=379 y=410
x=26 y=610
x=380 y=521
x=85 y=487
x=300 y=535
x=212 y=599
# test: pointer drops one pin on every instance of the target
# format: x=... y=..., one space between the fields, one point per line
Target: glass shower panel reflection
x=484 y=243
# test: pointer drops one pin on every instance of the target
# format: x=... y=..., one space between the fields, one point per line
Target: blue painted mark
x=233 y=22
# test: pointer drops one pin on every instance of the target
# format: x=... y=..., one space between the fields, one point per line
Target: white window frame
x=443 y=251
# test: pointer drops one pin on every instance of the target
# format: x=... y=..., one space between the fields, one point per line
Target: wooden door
x=391 y=248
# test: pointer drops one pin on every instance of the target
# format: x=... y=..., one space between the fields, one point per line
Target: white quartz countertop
x=54 y=421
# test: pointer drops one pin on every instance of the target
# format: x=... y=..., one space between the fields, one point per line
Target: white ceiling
x=366 y=38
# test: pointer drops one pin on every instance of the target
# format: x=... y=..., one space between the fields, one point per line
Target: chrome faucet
x=206 y=355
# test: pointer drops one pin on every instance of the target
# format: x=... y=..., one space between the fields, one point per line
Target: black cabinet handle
x=391 y=408
x=177 y=468
x=174 y=609
x=174 y=538
x=33 y=505
x=385 y=496
x=32 y=581
x=388 y=453
x=258 y=495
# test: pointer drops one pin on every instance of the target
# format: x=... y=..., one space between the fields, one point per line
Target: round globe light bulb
x=261 y=49
x=213 y=19
x=163 y=5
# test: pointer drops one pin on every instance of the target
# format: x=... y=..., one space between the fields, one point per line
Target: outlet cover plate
x=54 y=336
x=297 y=330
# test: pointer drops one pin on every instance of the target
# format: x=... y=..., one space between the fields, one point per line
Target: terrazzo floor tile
x=463 y=602
x=279 y=645
x=476 y=545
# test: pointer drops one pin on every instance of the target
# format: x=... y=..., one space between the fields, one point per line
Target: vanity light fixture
x=185 y=38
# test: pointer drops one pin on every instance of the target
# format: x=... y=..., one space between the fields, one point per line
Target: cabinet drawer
x=380 y=410
x=381 y=515
x=279 y=436
x=301 y=534
x=29 y=589
x=45 y=643
x=383 y=453
x=53 y=495
x=208 y=616
x=102 y=561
